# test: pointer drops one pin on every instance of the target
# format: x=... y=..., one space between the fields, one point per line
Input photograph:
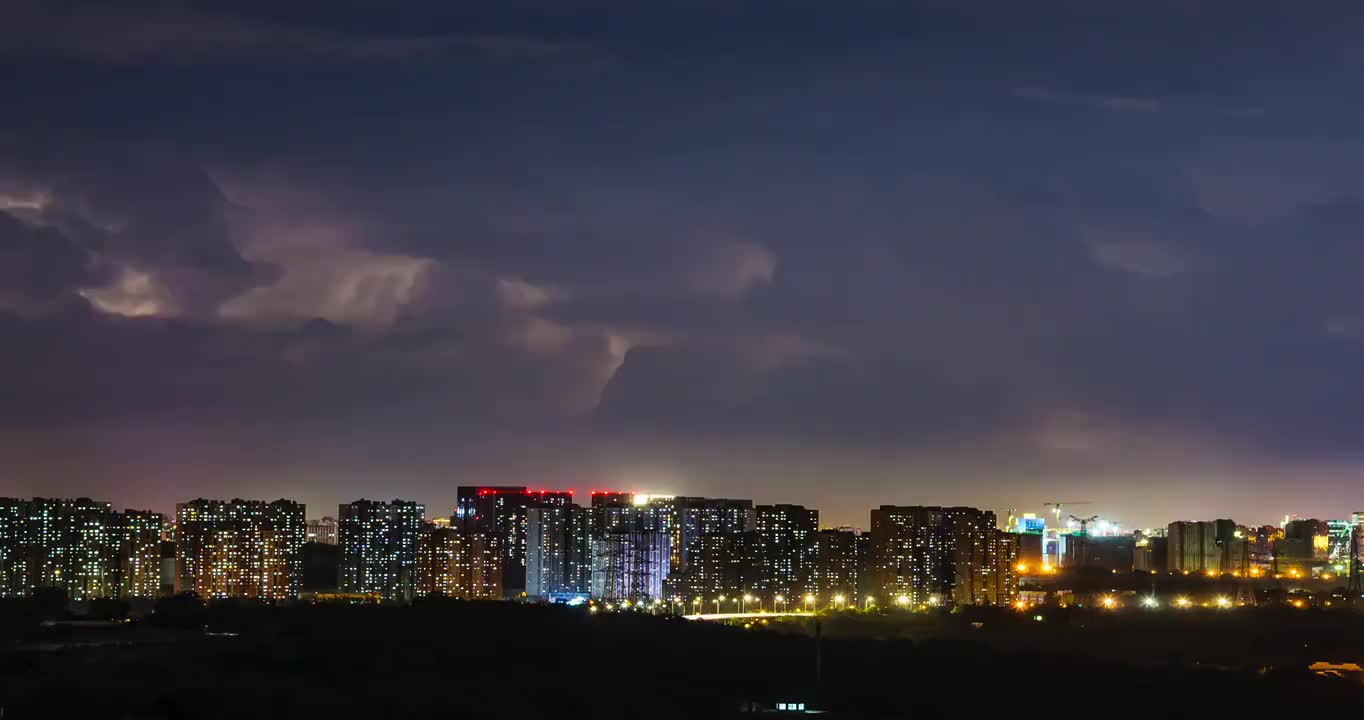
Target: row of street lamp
x=779 y=602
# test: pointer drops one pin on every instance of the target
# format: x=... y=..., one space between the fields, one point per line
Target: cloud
x=107 y=33
x=157 y=222
x=41 y=268
x=132 y=294
x=1344 y=327
x=522 y=295
x=732 y=269
x=1111 y=103
x=325 y=272
x=1254 y=181
x=1139 y=256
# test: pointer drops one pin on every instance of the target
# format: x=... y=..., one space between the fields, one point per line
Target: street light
x=902 y=601
x=1223 y=601
x=809 y=602
x=777 y=602
x=934 y=600
x=1150 y=601
x=868 y=603
x=697 y=603
x=717 y=604
x=1182 y=601
x=747 y=599
x=838 y=601
x=1109 y=602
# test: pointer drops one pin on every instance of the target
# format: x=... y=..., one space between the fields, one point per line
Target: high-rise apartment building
x=502 y=510
x=140 y=554
x=840 y=563
x=717 y=565
x=613 y=511
x=457 y=563
x=75 y=545
x=558 y=551
x=942 y=554
x=1192 y=547
x=79 y=546
x=17 y=556
x=243 y=548
x=786 y=548
x=379 y=547
x=629 y=565
x=701 y=517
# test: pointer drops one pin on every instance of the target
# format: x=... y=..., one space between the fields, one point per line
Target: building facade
x=379 y=547
x=80 y=546
x=1192 y=547
x=240 y=549
x=76 y=544
x=840 y=564
x=140 y=554
x=502 y=510
x=558 y=551
x=629 y=565
x=786 y=535
x=322 y=530
x=457 y=563
x=929 y=554
x=1115 y=552
x=16 y=557
x=1151 y=554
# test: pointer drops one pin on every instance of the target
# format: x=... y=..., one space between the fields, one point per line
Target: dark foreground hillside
x=452 y=659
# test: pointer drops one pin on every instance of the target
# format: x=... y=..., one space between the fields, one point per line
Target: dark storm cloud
x=158 y=225
x=903 y=246
x=40 y=268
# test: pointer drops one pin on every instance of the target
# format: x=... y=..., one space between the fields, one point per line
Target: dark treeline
x=441 y=658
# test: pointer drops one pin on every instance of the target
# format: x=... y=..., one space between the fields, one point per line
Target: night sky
x=980 y=252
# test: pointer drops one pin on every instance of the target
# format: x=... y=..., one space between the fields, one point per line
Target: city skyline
x=850 y=517
x=622 y=550
x=838 y=255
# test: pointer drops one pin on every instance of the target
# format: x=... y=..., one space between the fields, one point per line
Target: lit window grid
x=240 y=549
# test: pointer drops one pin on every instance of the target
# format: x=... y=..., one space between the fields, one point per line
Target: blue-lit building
x=558 y=551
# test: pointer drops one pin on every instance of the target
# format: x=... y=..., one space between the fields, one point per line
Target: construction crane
x=1082 y=540
x=1084 y=523
x=1057 y=505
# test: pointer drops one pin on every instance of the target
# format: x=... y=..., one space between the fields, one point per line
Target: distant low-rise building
x=1151 y=555
x=322 y=530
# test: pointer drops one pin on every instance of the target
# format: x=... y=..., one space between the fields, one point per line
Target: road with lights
x=745 y=616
